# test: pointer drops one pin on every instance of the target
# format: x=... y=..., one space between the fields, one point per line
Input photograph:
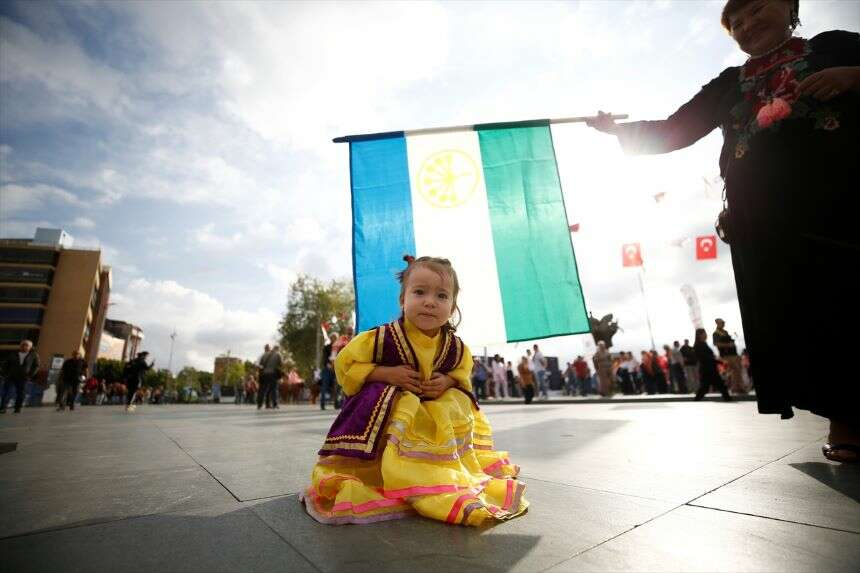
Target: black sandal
x=836 y=453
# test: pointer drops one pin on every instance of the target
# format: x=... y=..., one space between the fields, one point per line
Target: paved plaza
x=638 y=486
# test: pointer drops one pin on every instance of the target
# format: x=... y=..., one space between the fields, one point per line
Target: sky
x=191 y=142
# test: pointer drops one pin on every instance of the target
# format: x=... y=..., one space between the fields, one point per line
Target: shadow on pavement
x=843 y=478
x=271 y=536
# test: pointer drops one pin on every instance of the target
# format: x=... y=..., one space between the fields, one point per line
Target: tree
x=187 y=377
x=204 y=379
x=310 y=303
x=235 y=372
x=109 y=369
x=161 y=377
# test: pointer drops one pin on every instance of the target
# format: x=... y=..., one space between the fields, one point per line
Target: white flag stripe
x=452 y=220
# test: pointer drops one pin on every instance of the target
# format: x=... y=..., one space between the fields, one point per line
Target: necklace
x=772 y=50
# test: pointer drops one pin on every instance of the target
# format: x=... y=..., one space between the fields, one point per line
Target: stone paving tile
x=50 y=502
x=803 y=487
x=561 y=521
x=699 y=539
x=676 y=455
x=629 y=463
x=221 y=538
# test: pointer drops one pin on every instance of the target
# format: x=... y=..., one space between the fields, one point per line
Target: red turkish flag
x=706 y=247
x=631 y=254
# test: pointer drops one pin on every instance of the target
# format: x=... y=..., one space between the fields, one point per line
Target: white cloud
x=16 y=198
x=210 y=237
x=62 y=68
x=83 y=223
x=205 y=327
x=283 y=275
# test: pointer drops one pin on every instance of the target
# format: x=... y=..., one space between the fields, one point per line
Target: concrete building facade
x=127 y=336
x=53 y=294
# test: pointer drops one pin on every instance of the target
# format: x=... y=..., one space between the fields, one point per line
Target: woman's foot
x=843 y=443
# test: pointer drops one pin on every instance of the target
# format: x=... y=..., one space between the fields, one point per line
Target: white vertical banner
x=689 y=294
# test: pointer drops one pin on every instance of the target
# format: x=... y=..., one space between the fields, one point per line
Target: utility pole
x=645 y=303
x=170 y=361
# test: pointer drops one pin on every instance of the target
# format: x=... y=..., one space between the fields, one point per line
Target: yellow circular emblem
x=448 y=178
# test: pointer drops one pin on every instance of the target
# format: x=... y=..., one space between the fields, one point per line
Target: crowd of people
x=679 y=369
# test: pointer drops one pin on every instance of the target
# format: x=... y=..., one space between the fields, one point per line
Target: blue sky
x=192 y=142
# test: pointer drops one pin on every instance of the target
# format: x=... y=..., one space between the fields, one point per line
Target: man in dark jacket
x=18 y=369
x=134 y=373
x=73 y=372
x=328 y=385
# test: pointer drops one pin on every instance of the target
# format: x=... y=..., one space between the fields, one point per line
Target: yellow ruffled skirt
x=438 y=461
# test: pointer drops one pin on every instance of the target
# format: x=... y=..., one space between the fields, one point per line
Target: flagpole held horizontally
x=429 y=130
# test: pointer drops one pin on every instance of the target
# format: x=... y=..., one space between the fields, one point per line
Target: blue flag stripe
x=382 y=228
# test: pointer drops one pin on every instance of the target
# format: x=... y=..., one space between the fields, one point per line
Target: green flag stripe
x=541 y=292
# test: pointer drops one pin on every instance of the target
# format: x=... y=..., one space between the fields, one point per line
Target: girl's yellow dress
x=436 y=459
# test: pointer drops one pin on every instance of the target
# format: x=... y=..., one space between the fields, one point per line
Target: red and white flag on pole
x=631 y=255
x=706 y=247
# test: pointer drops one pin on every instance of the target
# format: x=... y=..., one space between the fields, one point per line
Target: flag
x=574 y=228
x=713 y=187
x=695 y=310
x=706 y=247
x=488 y=198
x=631 y=255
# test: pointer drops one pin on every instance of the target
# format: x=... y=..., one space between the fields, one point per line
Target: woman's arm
x=692 y=121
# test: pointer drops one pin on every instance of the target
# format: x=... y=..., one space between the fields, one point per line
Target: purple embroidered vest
x=357 y=430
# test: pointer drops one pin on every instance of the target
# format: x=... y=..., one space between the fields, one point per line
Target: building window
x=40 y=256
x=18 y=315
x=26 y=275
x=23 y=294
x=16 y=335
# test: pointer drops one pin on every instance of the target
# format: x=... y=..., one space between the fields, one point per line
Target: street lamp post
x=170 y=361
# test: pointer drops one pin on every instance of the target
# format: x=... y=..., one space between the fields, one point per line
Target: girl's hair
x=701 y=330
x=444 y=269
x=733 y=6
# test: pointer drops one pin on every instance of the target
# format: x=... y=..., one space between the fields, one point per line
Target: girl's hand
x=402 y=376
x=437 y=385
x=829 y=83
x=603 y=122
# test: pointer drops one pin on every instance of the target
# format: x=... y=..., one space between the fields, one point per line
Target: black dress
x=709 y=374
x=792 y=178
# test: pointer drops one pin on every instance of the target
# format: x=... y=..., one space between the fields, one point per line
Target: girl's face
x=428 y=299
x=760 y=25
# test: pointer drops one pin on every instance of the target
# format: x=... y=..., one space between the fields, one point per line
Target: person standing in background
x=72 y=373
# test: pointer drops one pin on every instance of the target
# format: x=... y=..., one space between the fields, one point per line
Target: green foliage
x=109 y=369
x=310 y=303
x=234 y=374
x=188 y=377
x=204 y=379
x=161 y=377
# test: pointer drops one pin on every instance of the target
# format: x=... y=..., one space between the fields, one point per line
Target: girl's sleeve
x=355 y=362
x=463 y=372
x=693 y=120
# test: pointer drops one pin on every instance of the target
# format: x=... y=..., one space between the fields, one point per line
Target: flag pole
x=431 y=130
x=645 y=303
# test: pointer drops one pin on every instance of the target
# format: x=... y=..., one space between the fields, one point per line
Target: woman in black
x=789 y=118
x=709 y=375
